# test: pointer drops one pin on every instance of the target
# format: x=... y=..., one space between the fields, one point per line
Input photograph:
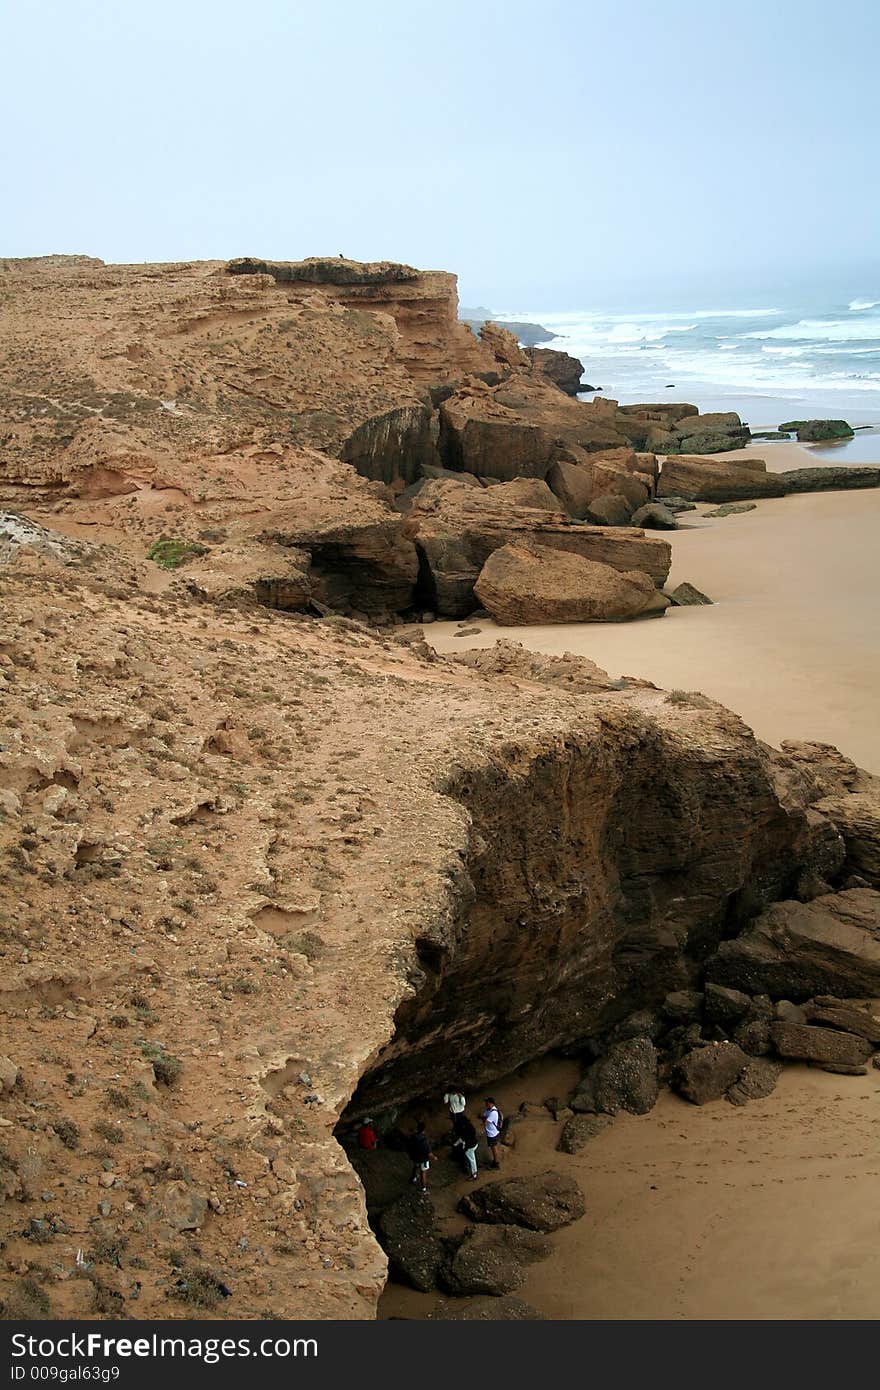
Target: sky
x=552 y=153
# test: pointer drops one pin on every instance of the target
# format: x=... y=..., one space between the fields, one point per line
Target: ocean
x=770 y=361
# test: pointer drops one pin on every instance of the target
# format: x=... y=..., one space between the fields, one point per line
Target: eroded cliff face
x=602 y=866
x=256 y=860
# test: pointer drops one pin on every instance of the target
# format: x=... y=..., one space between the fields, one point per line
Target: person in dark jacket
x=466 y=1141
x=419 y=1150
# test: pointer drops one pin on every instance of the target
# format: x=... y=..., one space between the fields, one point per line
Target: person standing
x=367 y=1137
x=466 y=1139
x=491 y=1118
x=419 y=1150
x=456 y=1102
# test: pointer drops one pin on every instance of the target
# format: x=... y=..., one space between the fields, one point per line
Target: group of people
x=465 y=1140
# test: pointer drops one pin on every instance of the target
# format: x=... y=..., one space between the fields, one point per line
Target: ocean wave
x=822 y=330
x=855 y=305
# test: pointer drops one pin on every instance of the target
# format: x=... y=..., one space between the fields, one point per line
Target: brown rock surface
x=455 y=531
x=523 y=583
x=717 y=479
x=796 y=950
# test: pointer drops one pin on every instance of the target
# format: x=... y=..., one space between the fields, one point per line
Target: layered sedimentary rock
x=718 y=480
x=528 y=583
x=455 y=530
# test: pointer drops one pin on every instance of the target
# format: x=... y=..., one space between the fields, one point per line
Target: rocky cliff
x=263 y=867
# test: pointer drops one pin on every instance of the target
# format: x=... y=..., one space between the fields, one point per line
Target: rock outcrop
x=455 y=530
x=795 y=950
x=834 y=478
x=540 y=1203
x=561 y=368
x=718 y=480
x=818 y=431
x=523 y=583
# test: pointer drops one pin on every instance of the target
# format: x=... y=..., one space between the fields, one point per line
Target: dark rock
x=493 y=1259
x=787 y=1012
x=410 y=1239
x=683 y=1006
x=757 y=1080
x=624 y=1079
x=840 y=478
x=654 y=516
x=725 y=1005
x=543 y=1202
x=856 y=815
x=797 y=950
x=487 y=1309
x=753 y=1036
x=733 y=509
x=685 y=595
x=705 y=1073
x=644 y=1023
x=579 y=1130
x=811 y=1044
x=817 y=431
x=849 y=1019
x=679 y=504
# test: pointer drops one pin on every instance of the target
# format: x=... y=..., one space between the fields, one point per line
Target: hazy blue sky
x=549 y=152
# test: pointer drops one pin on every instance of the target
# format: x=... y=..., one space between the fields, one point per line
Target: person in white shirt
x=456 y=1102
x=491 y=1118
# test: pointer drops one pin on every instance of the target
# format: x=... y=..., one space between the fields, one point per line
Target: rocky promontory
x=271 y=863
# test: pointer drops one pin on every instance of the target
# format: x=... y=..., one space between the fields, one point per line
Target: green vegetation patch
x=171 y=554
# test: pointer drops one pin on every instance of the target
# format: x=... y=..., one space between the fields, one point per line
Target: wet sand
x=767 y=1211
x=792 y=641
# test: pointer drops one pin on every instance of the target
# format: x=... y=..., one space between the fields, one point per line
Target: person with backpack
x=492 y=1122
x=419 y=1149
x=466 y=1141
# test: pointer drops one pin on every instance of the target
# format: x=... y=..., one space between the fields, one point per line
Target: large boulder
x=706 y=1073
x=624 y=1079
x=725 y=1006
x=493 y=1259
x=816 y=431
x=829 y=1012
x=456 y=529
x=757 y=1080
x=857 y=817
x=578 y=1130
x=561 y=368
x=572 y=483
x=717 y=480
x=654 y=517
x=611 y=509
x=524 y=583
x=411 y=1241
x=542 y=1202
x=796 y=950
x=808 y=1043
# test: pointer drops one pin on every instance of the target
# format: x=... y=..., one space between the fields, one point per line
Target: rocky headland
x=271 y=864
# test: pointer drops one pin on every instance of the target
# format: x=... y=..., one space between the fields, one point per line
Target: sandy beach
x=792 y=640
x=763 y=1211
x=767 y=1211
